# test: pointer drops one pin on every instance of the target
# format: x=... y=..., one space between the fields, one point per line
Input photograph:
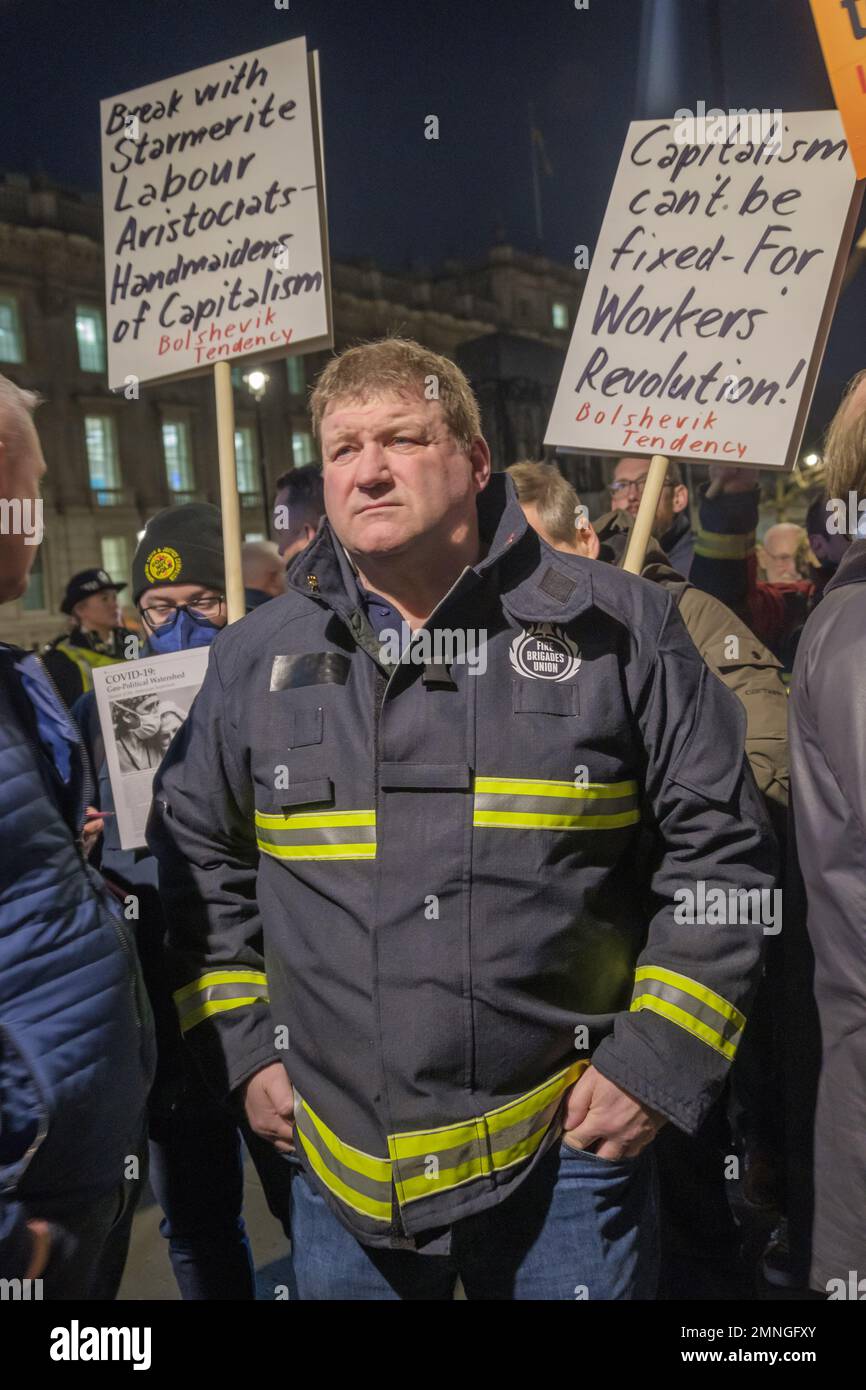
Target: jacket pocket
x=544 y=697
x=25 y=1111
x=317 y=792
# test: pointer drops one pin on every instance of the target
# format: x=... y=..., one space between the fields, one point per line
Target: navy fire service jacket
x=435 y=891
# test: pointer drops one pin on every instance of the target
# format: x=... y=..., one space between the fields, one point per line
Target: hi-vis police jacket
x=434 y=894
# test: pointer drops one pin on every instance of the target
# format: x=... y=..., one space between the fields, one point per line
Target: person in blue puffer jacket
x=76 y=1034
x=178 y=585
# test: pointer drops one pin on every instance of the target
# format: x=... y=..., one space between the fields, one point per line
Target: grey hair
x=257 y=557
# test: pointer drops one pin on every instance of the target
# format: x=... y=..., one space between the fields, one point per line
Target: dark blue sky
x=386 y=64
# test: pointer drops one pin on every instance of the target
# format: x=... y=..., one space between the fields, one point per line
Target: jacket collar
x=852 y=569
x=536 y=584
x=680 y=527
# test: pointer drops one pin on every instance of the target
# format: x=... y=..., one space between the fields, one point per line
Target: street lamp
x=256 y=382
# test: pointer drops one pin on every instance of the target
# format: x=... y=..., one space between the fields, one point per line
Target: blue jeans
x=579 y=1227
x=196 y=1171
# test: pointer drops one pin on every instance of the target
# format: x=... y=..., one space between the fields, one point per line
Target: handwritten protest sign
x=706 y=311
x=215 y=238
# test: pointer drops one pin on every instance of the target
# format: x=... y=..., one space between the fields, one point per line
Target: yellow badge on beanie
x=162 y=566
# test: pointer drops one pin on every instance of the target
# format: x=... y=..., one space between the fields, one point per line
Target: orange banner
x=841 y=26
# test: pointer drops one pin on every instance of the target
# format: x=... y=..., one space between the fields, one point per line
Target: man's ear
x=479 y=457
x=586 y=540
x=681 y=498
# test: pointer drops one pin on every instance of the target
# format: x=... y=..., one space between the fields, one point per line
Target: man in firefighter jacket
x=413 y=930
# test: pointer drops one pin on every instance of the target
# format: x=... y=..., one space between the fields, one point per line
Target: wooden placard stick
x=643 y=522
x=229 y=499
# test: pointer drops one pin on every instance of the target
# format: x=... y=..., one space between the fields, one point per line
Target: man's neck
x=416 y=590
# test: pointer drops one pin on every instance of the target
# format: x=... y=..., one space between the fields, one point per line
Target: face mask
x=148 y=724
x=184 y=633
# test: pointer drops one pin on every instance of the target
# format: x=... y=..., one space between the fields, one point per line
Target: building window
x=177 y=451
x=115 y=557
x=90 y=331
x=11 y=340
x=559 y=313
x=245 y=458
x=33 y=598
x=100 y=438
x=296 y=373
x=303 y=448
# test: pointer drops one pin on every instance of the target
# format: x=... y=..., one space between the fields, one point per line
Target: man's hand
x=93 y=828
x=40 y=1249
x=597 y=1110
x=726 y=478
x=269 y=1102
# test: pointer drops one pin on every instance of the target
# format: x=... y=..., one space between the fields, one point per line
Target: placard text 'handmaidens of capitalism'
x=213 y=194
x=706 y=310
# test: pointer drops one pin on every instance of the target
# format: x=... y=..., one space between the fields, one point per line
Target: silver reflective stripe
x=328 y=835
x=554 y=806
x=724 y=1028
x=244 y=990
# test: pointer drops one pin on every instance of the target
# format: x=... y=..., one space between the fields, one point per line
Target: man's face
x=629 y=479
x=274 y=580
x=289 y=542
x=779 y=553
x=393 y=473
x=159 y=605
x=99 y=613
x=21 y=468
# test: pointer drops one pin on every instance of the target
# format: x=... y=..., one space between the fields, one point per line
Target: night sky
x=386 y=64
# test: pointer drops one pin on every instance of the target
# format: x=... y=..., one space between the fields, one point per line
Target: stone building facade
x=113 y=462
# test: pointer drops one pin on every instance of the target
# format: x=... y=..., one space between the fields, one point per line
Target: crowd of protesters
x=653 y=1079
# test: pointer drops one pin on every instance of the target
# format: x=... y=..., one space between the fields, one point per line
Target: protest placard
x=841 y=26
x=141 y=706
x=213 y=196
x=711 y=291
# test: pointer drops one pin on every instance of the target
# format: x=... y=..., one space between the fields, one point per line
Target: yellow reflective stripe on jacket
x=428 y=1162
x=218 y=991
x=85 y=660
x=718 y=545
x=527 y=803
x=359 y=1179
x=424 y=1163
x=317 y=835
x=690 y=1005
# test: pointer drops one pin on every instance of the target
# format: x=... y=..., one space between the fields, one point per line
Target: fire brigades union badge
x=544 y=652
x=163 y=566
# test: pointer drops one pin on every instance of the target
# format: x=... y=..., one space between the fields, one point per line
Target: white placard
x=710 y=294
x=141 y=706
x=215 y=236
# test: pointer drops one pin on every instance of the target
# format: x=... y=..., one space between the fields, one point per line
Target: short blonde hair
x=845 y=447
x=405 y=368
x=542 y=486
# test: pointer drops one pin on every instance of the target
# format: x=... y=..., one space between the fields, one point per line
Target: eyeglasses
x=164 y=615
x=622 y=488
